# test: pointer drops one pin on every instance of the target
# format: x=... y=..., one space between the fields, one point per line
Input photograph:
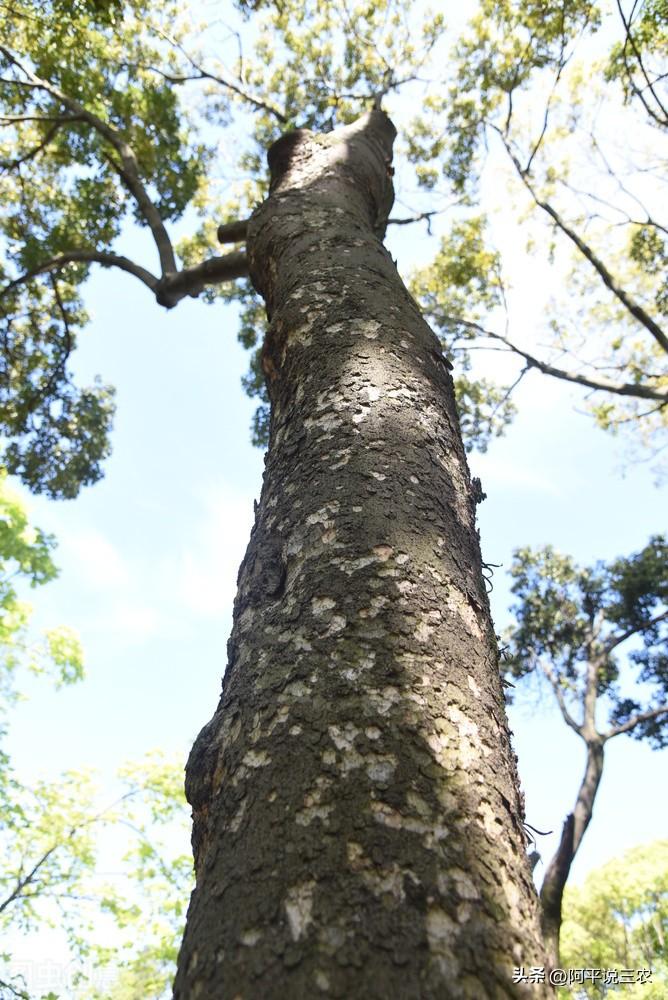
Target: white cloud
x=96 y=560
x=133 y=621
x=501 y=476
x=204 y=574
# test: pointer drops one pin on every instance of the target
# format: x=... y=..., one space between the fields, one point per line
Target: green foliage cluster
x=455 y=293
x=25 y=553
x=84 y=118
x=570 y=620
x=52 y=832
x=618 y=919
x=55 y=842
x=543 y=100
x=108 y=116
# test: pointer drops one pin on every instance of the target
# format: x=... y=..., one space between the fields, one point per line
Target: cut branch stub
x=233 y=232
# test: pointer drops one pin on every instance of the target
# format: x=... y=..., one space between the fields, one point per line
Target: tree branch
x=15 y=990
x=559 y=694
x=193 y=280
x=84 y=256
x=202 y=74
x=36 y=150
x=22 y=882
x=414 y=218
x=562 y=63
x=633 y=307
x=663 y=121
x=635 y=720
x=594 y=664
x=598 y=384
x=6 y=120
x=233 y=232
x=128 y=169
x=623 y=636
x=168 y=290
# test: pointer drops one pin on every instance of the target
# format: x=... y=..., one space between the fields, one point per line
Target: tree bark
x=573 y=830
x=357 y=821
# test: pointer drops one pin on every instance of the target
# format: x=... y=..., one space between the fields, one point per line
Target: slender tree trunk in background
x=357 y=822
x=573 y=830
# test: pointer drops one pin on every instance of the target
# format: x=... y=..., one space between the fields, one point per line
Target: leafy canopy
x=86 y=127
x=619 y=920
x=562 y=107
x=129 y=112
x=52 y=832
x=571 y=622
x=57 y=844
x=124 y=112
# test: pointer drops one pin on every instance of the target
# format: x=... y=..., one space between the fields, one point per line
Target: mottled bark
x=573 y=830
x=357 y=822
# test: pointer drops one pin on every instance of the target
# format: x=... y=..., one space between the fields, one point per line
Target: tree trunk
x=357 y=822
x=573 y=830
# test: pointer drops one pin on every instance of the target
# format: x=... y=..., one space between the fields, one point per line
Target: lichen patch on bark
x=299 y=908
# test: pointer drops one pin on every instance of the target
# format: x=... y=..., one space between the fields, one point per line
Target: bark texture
x=573 y=830
x=357 y=824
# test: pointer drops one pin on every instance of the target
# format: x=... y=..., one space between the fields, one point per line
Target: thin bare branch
x=622 y=187
x=598 y=384
x=409 y=220
x=617 y=640
x=633 y=307
x=635 y=720
x=203 y=74
x=559 y=695
x=508 y=393
x=663 y=121
x=563 y=62
x=87 y=257
x=25 y=880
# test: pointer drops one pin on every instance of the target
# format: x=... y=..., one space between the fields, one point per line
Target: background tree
x=25 y=556
x=618 y=919
x=52 y=832
x=121 y=911
x=32 y=820
x=570 y=627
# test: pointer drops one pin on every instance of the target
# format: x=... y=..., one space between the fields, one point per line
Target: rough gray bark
x=573 y=830
x=357 y=822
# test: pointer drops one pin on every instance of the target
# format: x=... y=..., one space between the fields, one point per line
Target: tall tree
x=571 y=625
x=357 y=825
x=355 y=794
